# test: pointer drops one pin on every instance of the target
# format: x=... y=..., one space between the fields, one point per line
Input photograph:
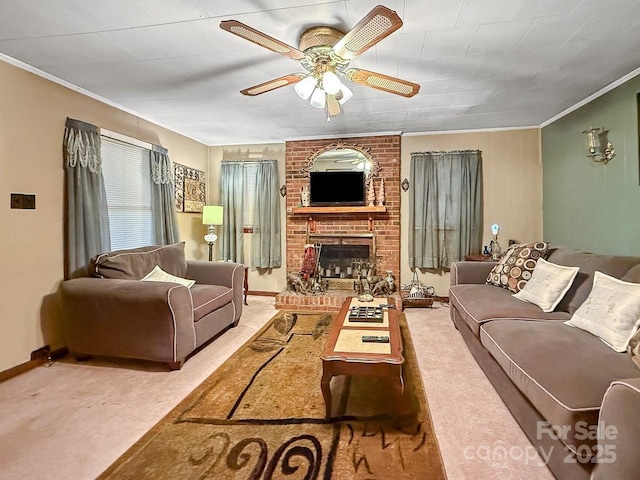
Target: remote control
x=386 y=305
x=375 y=339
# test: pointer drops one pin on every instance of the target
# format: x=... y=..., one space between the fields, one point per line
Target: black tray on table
x=366 y=314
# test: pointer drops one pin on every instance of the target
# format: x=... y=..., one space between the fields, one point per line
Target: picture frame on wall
x=190 y=189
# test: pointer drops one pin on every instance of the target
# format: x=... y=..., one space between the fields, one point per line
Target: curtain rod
x=248 y=162
x=125 y=138
x=442 y=152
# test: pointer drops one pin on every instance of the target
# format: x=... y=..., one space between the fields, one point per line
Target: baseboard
x=262 y=293
x=31 y=364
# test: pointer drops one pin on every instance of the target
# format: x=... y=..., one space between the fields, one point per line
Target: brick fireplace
x=301 y=228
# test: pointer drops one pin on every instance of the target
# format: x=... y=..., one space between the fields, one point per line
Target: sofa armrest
x=227 y=274
x=128 y=318
x=470 y=272
x=214 y=273
x=619 y=431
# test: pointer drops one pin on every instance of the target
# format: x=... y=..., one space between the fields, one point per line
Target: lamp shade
x=212 y=215
x=331 y=82
x=304 y=88
x=318 y=98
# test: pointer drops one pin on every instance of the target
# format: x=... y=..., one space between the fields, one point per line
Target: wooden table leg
x=325 y=385
x=246 y=284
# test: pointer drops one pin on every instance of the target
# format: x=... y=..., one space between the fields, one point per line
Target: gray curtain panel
x=445 y=208
x=162 y=197
x=87 y=217
x=231 y=192
x=266 y=247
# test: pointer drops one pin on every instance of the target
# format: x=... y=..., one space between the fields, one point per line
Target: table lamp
x=212 y=216
x=496 y=251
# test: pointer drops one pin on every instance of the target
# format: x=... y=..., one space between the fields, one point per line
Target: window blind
x=127 y=177
x=250 y=171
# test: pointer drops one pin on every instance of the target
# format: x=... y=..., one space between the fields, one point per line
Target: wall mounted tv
x=337 y=188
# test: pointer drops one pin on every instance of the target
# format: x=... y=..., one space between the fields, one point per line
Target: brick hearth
x=331 y=301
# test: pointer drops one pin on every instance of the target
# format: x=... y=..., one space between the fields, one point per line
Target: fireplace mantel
x=310 y=211
x=360 y=209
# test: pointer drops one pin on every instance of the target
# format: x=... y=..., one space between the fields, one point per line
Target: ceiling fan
x=325 y=54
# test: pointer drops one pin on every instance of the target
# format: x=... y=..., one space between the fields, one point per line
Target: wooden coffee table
x=346 y=354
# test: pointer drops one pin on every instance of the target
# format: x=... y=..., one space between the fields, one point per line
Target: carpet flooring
x=72 y=420
x=261 y=415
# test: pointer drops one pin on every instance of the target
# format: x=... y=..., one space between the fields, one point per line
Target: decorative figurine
x=305 y=196
x=371 y=196
x=296 y=284
x=381 y=198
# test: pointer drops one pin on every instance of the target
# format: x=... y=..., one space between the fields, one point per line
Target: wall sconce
x=599 y=147
x=283 y=190
x=405 y=185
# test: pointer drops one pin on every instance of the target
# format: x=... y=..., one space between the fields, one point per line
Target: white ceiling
x=480 y=63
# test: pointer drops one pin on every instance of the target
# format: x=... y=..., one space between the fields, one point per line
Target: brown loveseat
x=551 y=374
x=113 y=313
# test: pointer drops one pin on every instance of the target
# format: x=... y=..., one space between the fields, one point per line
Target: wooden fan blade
x=382 y=82
x=272 y=85
x=376 y=25
x=262 y=39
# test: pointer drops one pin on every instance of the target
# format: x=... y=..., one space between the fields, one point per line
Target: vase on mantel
x=371 y=196
x=305 y=196
x=381 y=198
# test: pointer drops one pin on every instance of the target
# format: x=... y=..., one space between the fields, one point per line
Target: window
x=126 y=172
x=248 y=217
x=445 y=207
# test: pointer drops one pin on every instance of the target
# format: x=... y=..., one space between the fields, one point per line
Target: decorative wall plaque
x=191 y=189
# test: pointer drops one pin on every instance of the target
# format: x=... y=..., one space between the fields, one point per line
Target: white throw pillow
x=159 y=275
x=611 y=311
x=548 y=284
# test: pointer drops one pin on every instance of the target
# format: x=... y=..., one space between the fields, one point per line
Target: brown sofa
x=113 y=313
x=551 y=374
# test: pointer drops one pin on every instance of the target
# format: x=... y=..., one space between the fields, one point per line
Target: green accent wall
x=588 y=205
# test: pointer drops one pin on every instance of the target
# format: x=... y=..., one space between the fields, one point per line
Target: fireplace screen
x=343 y=261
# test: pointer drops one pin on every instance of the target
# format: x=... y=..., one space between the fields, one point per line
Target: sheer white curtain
x=87 y=218
x=445 y=207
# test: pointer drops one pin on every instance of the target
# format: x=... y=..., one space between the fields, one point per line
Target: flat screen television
x=336 y=188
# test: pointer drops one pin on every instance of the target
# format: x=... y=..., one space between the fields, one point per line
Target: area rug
x=261 y=415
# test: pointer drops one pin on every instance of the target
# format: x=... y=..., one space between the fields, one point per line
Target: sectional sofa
x=557 y=380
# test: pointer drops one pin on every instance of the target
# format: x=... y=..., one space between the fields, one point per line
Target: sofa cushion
x=133 y=264
x=515 y=267
x=207 y=298
x=611 y=311
x=478 y=304
x=614 y=265
x=548 y=284
x=563 y=371
x=159 y=275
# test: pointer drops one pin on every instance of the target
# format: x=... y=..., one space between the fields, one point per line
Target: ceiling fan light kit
x=325 y=54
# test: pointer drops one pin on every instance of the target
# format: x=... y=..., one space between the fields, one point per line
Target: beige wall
x=512 y=176
x=273 y=280
x=33 y=111
x=32 y=115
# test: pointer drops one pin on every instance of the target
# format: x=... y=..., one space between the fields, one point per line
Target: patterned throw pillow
x=516 y=266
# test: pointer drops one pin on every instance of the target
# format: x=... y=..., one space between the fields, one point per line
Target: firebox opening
x=343 y=261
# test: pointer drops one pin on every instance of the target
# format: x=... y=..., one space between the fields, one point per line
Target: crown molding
x=591 y=98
